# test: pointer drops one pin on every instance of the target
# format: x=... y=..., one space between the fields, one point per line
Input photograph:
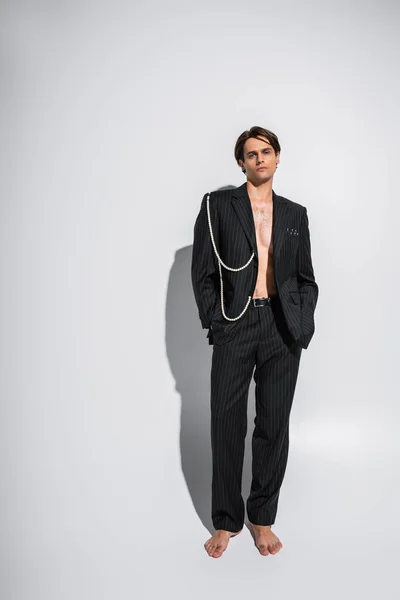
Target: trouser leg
x=231 y=372
x=277 y=364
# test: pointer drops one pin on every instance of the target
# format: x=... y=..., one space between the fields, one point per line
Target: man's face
x=260 y=160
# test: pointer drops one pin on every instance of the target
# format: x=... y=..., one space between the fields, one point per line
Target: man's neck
x=260 y=194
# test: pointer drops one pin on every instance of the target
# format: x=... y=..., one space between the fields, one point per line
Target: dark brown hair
x=258 y=133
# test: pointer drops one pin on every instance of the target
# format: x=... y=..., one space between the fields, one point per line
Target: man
x=255 y=290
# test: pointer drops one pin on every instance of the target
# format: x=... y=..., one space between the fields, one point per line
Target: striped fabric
x=267 y=340
x=262 y=341
x=235 y=237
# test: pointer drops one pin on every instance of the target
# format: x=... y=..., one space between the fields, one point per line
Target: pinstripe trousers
x=261 y=342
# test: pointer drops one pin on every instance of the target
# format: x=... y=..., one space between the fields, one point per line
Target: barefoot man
x=254 y=286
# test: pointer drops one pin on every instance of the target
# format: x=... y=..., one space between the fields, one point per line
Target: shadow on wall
x=189 y=355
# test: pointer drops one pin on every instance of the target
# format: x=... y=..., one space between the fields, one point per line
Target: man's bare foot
x=265 y=539
x=217 y=544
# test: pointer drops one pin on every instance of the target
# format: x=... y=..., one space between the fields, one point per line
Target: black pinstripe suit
x=269 y=338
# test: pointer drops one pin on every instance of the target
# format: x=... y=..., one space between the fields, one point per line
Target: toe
x=218 y=550
x=263 y=550
x=275 y=548
x=210 y=548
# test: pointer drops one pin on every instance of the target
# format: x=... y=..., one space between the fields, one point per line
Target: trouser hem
x=228 y=526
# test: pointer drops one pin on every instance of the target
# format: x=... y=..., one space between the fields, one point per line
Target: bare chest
x=263 y=225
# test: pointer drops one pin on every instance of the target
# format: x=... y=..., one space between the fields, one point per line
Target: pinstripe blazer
x=235 y=239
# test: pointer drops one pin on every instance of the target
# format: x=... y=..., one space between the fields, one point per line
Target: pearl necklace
x=226 y=267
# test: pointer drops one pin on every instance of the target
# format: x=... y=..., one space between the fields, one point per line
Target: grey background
x=116 y=118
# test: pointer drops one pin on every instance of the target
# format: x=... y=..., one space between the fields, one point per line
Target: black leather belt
x=262 y=301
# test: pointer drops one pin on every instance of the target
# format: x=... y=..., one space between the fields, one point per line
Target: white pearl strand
x=226 y=267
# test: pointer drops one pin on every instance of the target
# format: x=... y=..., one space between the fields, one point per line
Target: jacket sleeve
x=204 y=269
x=305 y=276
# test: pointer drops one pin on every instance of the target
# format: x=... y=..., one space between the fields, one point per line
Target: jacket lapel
x=242 y=206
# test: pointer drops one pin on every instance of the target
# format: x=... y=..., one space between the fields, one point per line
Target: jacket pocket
x=296 y=297
x=217 y=310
